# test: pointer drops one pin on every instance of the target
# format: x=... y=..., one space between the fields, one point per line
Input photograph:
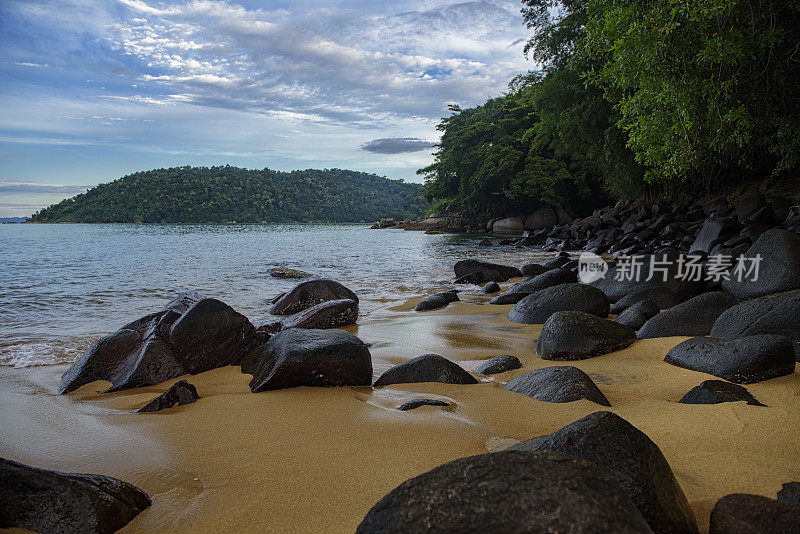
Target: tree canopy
x=232 y=194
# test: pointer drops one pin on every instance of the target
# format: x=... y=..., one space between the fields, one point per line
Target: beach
x=317 y=459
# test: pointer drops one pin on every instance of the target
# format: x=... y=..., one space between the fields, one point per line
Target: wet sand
x=317 y=459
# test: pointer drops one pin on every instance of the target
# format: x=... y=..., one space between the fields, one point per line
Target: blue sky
x=95 y=89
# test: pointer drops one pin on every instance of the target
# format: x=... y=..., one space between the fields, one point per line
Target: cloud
x=32 y=65
x=10 y=186
x=396 y=145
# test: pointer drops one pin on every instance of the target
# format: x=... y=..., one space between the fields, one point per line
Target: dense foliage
x=631 y=96
x=231 y=194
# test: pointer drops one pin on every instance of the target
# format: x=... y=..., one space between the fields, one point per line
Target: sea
x=62 y=286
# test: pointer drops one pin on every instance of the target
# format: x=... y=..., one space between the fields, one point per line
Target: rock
x=557 y=384
x=632 y=458
x=511 y=225
x=432 y=302
x=715 y=230
x=329 y=314
x=740 y=513
x=499 y=364
x=718 y=206
x=49 y=501
x=485 y=243
x=790 y=493
x=490 y=287
x=576 y=335
x=541 y=219
x=743 y=360
x=309 y=293
x=562 y=217
x=773 y=314
x=488 y=271
x=507 y=491
x=662 y=296
x=533 y=269
x=285 y=272
x=519 y=291
x=305 y=357
x=779 y=268
x=554 y=263
x=416 y=403
x=180 y=393
x=538 y=307
x=426 y=368
x=695 y=317
x=148 y=351
x=749 y=205
x=210 y=334
x=716 y=392
x=638 y=314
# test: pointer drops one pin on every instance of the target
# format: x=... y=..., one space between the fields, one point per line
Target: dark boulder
x=488 y=271
x=499 y=364
x=743 y=360
x=426 y=368
x=180 y=393
x=550 y=278
x=632 y=459
x=715 y=230
x=309 y=293
x=507 y=491
x=576 y=335
x=749 y=205
x=329 y=314
x=716 y=392
x=285 y=272
x=490 y=287
x=557 y=384
x=779 y=268
x=538 y=307
x=417 y=403
x=305 y=357
x=533 y=269
x=740 y=513
x=436 y=301
x=49 y=501
x=661 y=296
x=638 y=314
x=695 y=317
x=774 y=314
x=790 y=493
x=210 y=334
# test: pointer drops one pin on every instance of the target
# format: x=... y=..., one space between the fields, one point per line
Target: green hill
x=231 y=194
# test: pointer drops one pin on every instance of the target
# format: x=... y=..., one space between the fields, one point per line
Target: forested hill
x=232 y=194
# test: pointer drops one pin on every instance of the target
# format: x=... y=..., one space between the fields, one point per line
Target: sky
x=92 y=90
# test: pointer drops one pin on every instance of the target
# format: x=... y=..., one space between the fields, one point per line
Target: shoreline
x=317 y=459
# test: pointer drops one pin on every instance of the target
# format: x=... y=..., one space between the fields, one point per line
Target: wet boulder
x=180 y=394
x=329 y=314
x=426 y=368
x=484 y=272
x=716 y=392
x=507 y=491
x=490 y=287
x=790 y=493
x=309 y=293
x=534 y=269
x=778 y=269
x=661 y=296
x=695 y=317
x=632 y=458
x=436 y=301
x=418 y=403
x=49 y=501
x=499 y=364
x=308 y=357
x=774 y=314
x=740 y=513
x=576 y=335
x=285 y=272
x=547 y=279
x=557 y=384
x=715 y=230
x=538 y=307
x=638 y=314
x=744 y=360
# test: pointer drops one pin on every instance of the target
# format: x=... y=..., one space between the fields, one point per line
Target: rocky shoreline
x=598 y=472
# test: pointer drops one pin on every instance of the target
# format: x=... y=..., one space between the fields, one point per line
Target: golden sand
x=317 y=459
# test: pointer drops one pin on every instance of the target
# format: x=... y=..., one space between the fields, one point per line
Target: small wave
x=38 y=353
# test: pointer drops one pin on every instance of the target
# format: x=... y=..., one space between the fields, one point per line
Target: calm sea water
x=62 y=286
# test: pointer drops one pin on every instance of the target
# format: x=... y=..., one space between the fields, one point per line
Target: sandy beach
x=317 y=459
